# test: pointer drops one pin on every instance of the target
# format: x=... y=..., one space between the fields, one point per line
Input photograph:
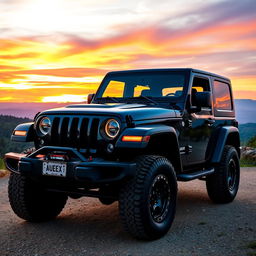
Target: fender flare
x=223 y=134
x=153 y=131
x=147 y=130
x=28 y=128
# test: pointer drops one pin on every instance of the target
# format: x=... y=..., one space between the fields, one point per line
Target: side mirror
x=90 y=98
x=203 y=99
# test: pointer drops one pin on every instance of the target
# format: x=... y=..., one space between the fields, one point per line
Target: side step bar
x=194 y=175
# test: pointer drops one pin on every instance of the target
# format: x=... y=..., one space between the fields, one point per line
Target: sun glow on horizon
x=65 y=98
x=51 y=51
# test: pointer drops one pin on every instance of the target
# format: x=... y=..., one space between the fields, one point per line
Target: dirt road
x=86 y=227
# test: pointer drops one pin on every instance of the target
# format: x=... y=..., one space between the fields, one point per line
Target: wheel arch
x=163 y=141
x=167 y=145
x=225 y=136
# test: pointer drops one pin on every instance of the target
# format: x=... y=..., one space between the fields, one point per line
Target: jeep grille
x=78 y=132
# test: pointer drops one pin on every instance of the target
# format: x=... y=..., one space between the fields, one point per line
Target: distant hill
x=247 y=131
x=245 y=111
x=8 y=123
x=28 y=110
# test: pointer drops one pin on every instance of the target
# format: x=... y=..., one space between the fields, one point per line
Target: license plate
x=55 y=169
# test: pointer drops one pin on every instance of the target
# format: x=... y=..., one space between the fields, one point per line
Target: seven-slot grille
x=78 y=132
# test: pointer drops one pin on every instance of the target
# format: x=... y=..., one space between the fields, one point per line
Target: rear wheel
x=223 y=185
x=148 y=202
x=31 y=202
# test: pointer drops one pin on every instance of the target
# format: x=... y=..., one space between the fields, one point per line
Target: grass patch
x=252 y=245
x=3 y=171
x=247 y=163
x=2 y=166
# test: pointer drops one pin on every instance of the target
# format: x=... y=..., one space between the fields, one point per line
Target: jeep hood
x=138 y=112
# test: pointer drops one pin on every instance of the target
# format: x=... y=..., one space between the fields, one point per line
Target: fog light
x=110 y=148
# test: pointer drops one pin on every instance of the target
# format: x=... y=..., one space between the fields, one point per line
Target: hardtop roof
x=198 y=71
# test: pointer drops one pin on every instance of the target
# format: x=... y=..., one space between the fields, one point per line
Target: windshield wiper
x=148 y=99
x=108 y=98
x=113 y=99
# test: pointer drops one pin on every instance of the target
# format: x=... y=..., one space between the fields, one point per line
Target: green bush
x=2 y=164
x=244 y=162
x=252 y=142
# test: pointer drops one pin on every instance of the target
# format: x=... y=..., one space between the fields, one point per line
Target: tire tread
x=216 y=184
x=130 y=197
x=23 y=194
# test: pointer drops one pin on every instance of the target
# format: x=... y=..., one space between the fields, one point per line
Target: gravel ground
x=85 y=227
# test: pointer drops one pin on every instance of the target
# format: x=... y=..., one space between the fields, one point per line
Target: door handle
x=188 y=123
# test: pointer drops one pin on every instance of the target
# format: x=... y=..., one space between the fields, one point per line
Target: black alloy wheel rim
x=232 y=175
x=159 y=199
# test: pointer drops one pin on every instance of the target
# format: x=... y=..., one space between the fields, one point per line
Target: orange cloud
x=64 y=72
x=40 y=68
x=37 y=94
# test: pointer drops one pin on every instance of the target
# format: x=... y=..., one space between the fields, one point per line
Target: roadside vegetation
x=252 y=142
x=247 y=163
x=3 y=172
x=248 y=153
x=2 y=164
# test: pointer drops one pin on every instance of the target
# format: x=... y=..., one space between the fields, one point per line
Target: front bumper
x=79 y=168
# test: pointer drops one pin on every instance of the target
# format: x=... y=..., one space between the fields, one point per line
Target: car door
x=200 y=124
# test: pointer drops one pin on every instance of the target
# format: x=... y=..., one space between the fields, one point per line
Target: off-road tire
x=31 y=202
x=134 y=198
x=219 y=184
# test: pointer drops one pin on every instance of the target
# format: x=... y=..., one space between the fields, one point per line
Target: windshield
x=145 y=85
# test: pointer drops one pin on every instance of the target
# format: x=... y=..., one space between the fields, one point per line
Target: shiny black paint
x=200 y=136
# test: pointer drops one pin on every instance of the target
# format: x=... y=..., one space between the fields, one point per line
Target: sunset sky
x=59 y=50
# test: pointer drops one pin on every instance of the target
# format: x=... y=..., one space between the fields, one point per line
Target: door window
x=222 y=96
x=200 y=85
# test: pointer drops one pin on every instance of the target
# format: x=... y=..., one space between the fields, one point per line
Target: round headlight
x=45 y=125
x=112 y=128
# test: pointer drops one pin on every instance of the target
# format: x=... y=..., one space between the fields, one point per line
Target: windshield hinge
x=129 y=121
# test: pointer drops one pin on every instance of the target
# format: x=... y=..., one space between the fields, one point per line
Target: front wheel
x=222 y=186
x=31 y=202
x=147 y=203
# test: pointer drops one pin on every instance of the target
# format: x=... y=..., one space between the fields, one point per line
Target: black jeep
x=141 y=132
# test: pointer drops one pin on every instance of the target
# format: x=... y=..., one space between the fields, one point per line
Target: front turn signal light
x=20 y=133
x=135 y=138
